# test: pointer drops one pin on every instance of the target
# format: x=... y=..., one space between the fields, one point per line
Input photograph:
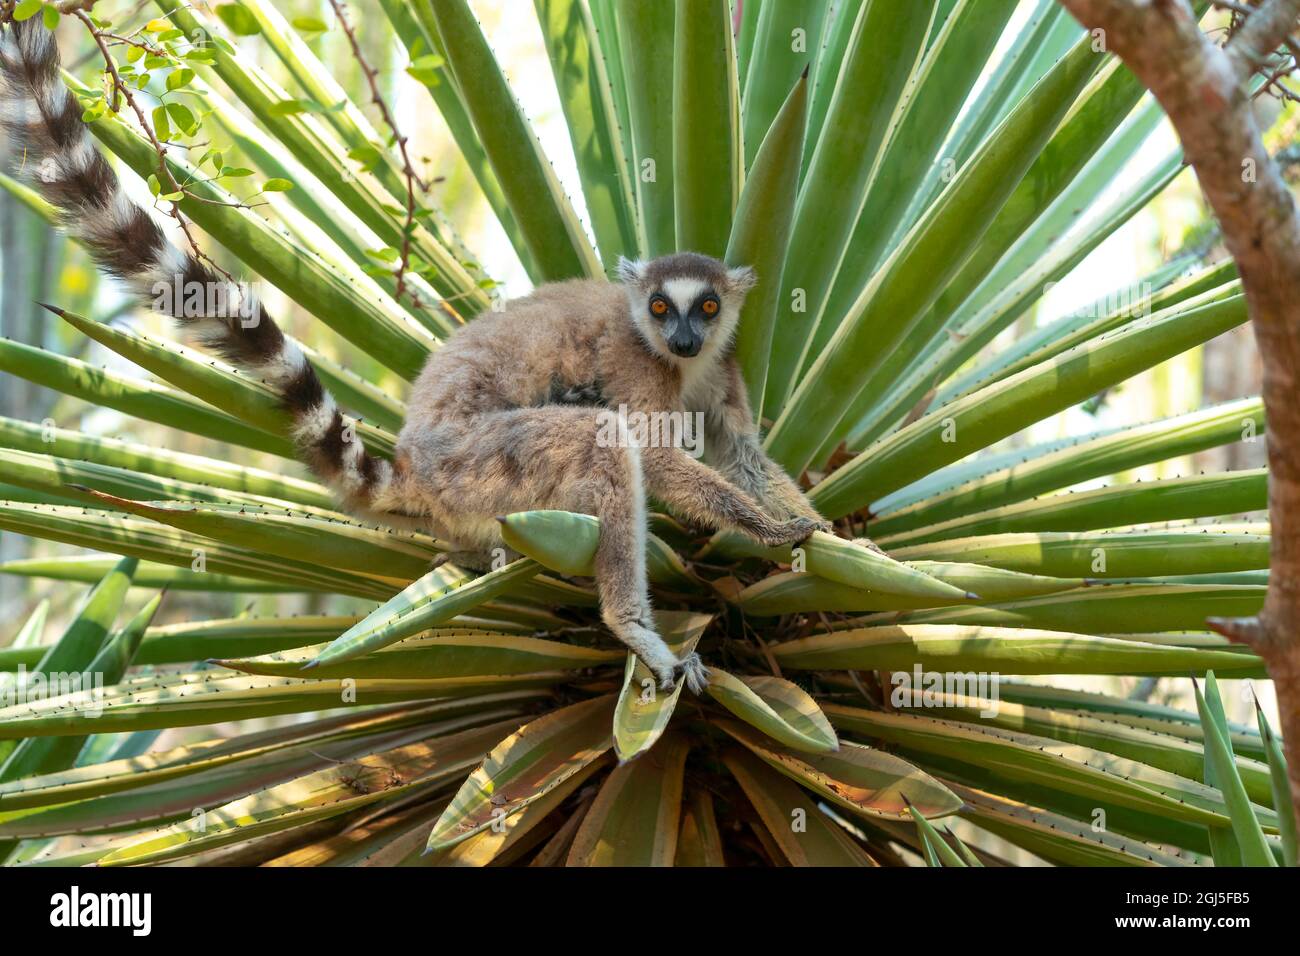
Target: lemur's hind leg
x=466 y=472
x=621 y=574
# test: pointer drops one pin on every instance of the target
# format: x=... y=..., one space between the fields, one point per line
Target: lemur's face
x=685 y=305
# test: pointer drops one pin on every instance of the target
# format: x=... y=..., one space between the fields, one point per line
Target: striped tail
x=57 y=156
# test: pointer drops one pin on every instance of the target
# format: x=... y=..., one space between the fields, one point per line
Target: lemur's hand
x=788 y=532
x=784 y=512
x=786 y=501
x=870 y=545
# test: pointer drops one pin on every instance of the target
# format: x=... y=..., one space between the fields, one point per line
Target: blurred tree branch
x=401 y=140
x=1204 y=89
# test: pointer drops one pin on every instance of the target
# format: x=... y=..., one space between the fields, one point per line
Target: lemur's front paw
x=870 y=545
x=790 y=532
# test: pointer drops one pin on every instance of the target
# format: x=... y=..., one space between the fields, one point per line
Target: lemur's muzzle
x=686 y=348
x=683 y=341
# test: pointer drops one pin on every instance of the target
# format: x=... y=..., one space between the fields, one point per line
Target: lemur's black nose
x=686 y=349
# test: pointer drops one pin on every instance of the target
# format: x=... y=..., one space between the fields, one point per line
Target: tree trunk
x=1203 y=89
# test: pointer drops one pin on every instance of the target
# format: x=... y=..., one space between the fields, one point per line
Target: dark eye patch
x=703 y=302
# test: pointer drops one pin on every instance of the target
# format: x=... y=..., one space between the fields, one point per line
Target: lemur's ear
x=742 y=278
x=629 y=271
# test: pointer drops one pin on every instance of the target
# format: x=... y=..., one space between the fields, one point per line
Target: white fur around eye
x=684 y=292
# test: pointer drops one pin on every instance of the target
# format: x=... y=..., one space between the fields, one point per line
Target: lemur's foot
x=669 y=670
x=690 y=669
x=788 y=532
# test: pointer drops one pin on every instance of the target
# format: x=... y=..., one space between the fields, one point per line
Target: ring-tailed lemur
x=496 y=421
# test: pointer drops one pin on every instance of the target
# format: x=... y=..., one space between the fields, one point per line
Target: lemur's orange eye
x=658 y=306
x=709 y=307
